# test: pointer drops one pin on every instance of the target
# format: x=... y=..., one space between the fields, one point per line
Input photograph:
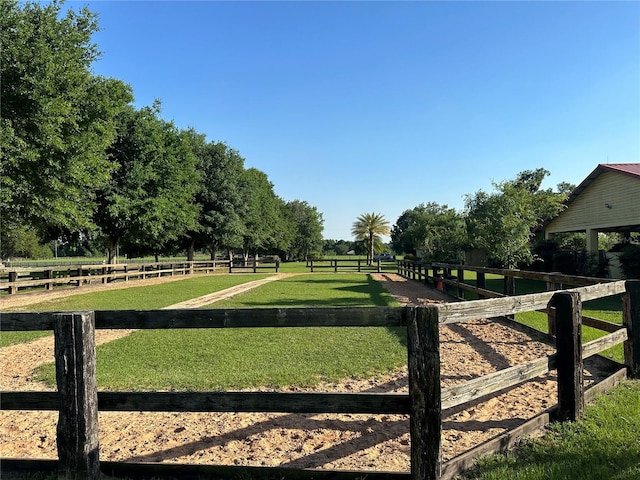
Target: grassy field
x=138 y=298
x=221 y=359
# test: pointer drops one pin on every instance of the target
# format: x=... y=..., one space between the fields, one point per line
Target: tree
x=433 y=230
x=148 y=201
x=221 y=201
x=263 y=218
x=369 y=227
x=56 y=117
x=306 y=226
x=503 y=222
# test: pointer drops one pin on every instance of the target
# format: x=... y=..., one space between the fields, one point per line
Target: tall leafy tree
x=220 y=198
x=503 y=222
x=263 y=218
x=148 y=201
x=56 y=117
x=306 y=228
x=434 y=230
x=368 y=227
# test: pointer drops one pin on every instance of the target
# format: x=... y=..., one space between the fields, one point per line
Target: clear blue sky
x=362 y=107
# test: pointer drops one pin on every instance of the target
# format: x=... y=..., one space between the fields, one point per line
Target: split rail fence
x=78 y=400
x=15 y=280
x=349 y=264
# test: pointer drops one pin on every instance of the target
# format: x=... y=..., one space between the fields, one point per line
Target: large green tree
x=503 y=222
x=220 y=198
x=306 y=227
x=264 y=215
x=368 y=228
x=433 y=230
x=56 y=117
x=149 y=200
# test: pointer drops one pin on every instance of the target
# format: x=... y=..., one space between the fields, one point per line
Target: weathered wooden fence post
x=49 y=275
x=460 y=274
x=631 y=320
x=13 y=276
x=569 y=359
x=481 y=282
x=424 y=392
x=77 y=434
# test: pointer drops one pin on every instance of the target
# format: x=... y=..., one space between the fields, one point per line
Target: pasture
x=303 y=290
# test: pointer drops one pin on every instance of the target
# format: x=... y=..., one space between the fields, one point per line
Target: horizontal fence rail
x=74 y=333
x=15 y=280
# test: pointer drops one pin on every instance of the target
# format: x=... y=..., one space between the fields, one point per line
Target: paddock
x=363 y=438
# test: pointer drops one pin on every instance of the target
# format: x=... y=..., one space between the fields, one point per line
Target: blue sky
x=362 y=107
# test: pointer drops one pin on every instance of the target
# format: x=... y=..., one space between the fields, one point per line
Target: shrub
x=630 y=261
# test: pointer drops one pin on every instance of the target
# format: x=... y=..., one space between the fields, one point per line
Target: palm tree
x=368 y=227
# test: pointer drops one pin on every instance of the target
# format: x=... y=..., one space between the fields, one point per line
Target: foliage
x=369 y=227
x=56 y=117
x=263 y=218
x=568 y=259
x=503 y=222
x=336 y=247
x=22 y=242
x=306 y=225
x=149 y=198
x=630 y=261
x=434 y=231
x=220 y=198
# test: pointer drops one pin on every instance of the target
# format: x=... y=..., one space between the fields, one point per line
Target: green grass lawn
x=605 y=445
x=135 y=298
x=223 y=359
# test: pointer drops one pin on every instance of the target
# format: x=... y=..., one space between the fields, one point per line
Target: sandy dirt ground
x=350 y=442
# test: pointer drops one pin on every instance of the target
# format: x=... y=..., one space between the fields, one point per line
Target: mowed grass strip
x=137 y=297
x=226 y=359
x=605 y=445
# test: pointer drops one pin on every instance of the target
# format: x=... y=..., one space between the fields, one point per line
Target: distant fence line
x=78 y=400
x=48 y=277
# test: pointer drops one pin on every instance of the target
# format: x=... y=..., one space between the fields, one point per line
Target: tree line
x=80 y=165
x=506 y=225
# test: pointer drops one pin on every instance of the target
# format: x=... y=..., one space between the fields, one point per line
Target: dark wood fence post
x=509 y=286
x=631 y=320
x=551 y=314
x=77 y=434
x=460 y=275
x=569 y=359
x=379 y=268
x=49 y=275
x=424 y=393
x=13 y=276
x=481 y=282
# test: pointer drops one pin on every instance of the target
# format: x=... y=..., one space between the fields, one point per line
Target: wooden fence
x=349 y=264
x=78 y=400
x=15 y=280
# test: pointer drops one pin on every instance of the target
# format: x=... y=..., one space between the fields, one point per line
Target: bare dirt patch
x=354 y=442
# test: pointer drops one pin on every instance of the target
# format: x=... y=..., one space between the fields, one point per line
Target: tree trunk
x=191 y=250
x=157 y=258
x=112 y=248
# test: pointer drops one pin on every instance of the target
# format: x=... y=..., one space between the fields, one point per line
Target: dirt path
x=354 y=442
